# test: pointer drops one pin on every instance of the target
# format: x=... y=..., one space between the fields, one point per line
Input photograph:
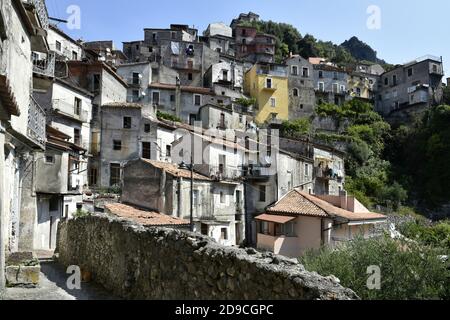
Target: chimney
x=344 y=199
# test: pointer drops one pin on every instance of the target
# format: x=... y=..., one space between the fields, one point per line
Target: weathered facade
x=331 y=84
x=410 y=89
x=302 y=99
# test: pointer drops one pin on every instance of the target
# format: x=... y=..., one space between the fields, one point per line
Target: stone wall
x=152 y=263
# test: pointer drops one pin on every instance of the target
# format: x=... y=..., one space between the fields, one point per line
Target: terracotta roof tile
x=175 y=171
x=301 y=203
x=146 y=218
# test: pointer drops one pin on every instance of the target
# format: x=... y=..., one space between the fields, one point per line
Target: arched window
x=295 y=92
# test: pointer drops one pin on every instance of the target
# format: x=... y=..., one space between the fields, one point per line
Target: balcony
x=36 y=123
x=67 y=109
x=270 y=87
x=257 y=172
x=275 y=73
x=41 y=11
x=220 y=173
x=44 y=66
x=326 y=174
x=135 y=82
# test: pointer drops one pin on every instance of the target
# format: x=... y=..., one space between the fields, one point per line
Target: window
x=224 y=234
x=410 y=72
x=295 y=92
x=74 y=55
x=146 y=150
x=320 y=74
x=53 y=204
x=435 y=68
x=269 y=83
x=306 y=170
x=135 y=95
x=192 y=119
x=76 y=136
x=58 y=46
x=305 y=72
x=147 y=127
x=190 y=77
x=117 y=145
x=174 y=35
x=262 y=193
x=342 y=88
x=155 y=98
x=222 y=121
x=264 y=228
x=225 y=75
x=394 y=80
x=321 y=86
x=77 y=106
x=168 y=151
x=222 y=197
x=386 y=81
x=197 y=100
x=294 y=70
x=49 y=159
x=196 y=196
x=96 y=82
x=114 y=177
x=335 y=75
x=136 y=78
x=172 y=98
x=273 y=102
x=335 y=87
x=93 y=176
x=219 y=50
x=127 y=122
x=204 y=229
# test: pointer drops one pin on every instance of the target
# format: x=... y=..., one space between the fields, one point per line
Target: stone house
x=330 y=84
x=64 y=47
x=58 y=186
x=302 y=98
x=224 y=118
x=22 y=120
x=107 y=52
x=138 y=76
x=410 y=88
x=299 y=222
x=228 y=74
x=253 y=46
x=107 y=86
x=219 y=38
x=165 y=188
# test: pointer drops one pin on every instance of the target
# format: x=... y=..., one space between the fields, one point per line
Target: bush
x=81 y=214
x=167 y=116
x=295 y=128
x=436 y=235
x=408 y=271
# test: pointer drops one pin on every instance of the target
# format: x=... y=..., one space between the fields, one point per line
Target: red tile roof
x=300 y=203
x=175 y=171
x=146 y=218
x=276 y=219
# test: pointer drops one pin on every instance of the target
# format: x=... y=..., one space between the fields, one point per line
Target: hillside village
x=184 y=129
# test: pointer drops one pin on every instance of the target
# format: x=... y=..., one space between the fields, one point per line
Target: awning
x=275 y=219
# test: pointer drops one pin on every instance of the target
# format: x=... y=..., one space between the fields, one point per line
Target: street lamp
x=184 y=166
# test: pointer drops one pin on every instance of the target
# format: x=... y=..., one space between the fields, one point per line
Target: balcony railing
x=69 y=110
x=134 y=81
x=257 y=172
x=41 y=11
x=36 y=123
x=44 y=66
x=224 y=174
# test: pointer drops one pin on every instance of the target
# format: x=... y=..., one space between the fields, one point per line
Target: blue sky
x=409 y=28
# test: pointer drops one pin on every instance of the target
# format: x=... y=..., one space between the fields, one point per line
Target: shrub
x=81 y=214
x=295 y=128
x=167 y=116
x=408 y=270
x=437 y=235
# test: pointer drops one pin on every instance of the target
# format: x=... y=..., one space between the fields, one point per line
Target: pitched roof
x=175 y=171
x=146 y=218
x=301 y=203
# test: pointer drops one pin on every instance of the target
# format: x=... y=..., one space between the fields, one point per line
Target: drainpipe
x=2 y=245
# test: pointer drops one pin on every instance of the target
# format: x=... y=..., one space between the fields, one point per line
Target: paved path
x=53 y=286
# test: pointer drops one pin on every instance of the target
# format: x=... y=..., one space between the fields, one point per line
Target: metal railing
x=46 y=66
x=220 y=173
x=41 y=10
x=36 y=123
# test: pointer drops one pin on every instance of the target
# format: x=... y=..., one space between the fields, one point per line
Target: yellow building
x=361 y=85
x=268 y=84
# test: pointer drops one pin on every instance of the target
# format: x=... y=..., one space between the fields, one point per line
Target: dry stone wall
x=135 y=262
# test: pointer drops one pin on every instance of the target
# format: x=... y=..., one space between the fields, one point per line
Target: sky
x=403 y=31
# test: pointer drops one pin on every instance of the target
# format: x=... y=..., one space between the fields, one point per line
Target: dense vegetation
x=408 y=270
x=420 y=154
x=167 y=116
x=290 y=40
x=436 y=235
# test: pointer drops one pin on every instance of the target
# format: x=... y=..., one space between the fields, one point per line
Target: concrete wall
x=52 y=177
x=138 y=263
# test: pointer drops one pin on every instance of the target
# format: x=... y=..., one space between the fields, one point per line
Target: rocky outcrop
x=135 y=262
